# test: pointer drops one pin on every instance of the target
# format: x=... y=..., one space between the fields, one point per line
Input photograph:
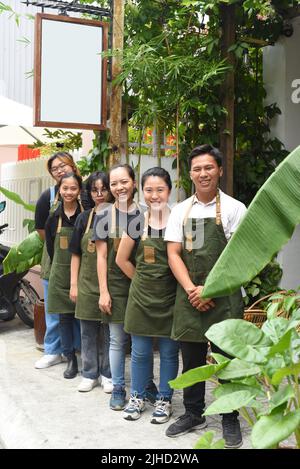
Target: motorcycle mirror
x=2 y=206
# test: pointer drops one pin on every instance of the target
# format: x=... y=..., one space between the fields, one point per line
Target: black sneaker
x=151 y=392
x=184 y=424
x=231 y=431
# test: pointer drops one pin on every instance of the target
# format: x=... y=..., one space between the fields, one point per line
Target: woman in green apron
x=84 y=290
x=152 y=293
x=197 y=233
x=59 y=228
x=58 y=164
x=113 y=283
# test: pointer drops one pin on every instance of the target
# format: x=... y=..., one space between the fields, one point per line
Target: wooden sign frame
x=70 y=76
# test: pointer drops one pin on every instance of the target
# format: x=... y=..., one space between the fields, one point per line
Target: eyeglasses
x=55 y=169
x=99 y=191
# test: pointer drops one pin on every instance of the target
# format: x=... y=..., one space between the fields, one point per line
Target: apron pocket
x=149 y=254
x=91 y=247
x=63 y=242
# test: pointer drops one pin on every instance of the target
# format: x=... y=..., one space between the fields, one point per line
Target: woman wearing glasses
x=84 y=290
x=58 y=164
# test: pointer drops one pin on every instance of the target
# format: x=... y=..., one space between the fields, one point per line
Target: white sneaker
x=162 y=412
x=87 y=384
x=134 y=408
x=107 y=384
x=48 y=360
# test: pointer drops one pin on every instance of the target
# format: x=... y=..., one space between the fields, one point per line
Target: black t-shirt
x=125 y=221
x=42 y=208
x=52 y=223
x=78 y=232
x=136 y=234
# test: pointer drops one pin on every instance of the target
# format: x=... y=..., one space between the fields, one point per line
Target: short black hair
x=206 y=149
x=159 y=172
x=90 y=184
x=71 y=175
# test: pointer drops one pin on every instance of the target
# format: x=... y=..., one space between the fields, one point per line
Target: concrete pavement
x=41 y=409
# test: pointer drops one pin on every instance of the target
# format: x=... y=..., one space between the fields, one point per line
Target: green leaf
x=240 y=339
x=281 y=396
x=27 y=254
x=275 y=209
x=286 y=371
x=206 y=441
x=269 y=430
x=196 y=375
x=219 y=358
x=229 y=403
x=228 y=388
x=17 y=199
x=237 y=369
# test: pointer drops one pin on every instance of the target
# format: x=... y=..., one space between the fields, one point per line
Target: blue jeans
x=67 y=325
x=52 y=341
x=142 y=363
x=117 y=353
x=52 y=344
x=94 y=349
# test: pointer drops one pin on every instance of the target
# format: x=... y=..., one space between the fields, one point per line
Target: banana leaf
x=17 y=199
x=268 y=224
x=24 y=256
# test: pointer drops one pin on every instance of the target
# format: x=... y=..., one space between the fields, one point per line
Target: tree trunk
x=227 y=14
x=116 y=94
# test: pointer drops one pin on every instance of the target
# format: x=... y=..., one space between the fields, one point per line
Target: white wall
x=281 y=68
x=15 y=58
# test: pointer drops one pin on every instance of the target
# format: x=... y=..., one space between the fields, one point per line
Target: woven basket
x=258 y=315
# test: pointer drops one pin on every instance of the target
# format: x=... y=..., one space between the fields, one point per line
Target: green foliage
x=206 y=442
x=24 y=256
x=17 y=199
x=98 y=157
x=262 y=377
x=62 y=141
x=264 y=283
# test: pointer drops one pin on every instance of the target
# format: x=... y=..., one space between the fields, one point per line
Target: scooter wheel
x=25 y=304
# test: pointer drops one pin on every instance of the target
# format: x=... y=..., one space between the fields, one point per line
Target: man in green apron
x=197 y=232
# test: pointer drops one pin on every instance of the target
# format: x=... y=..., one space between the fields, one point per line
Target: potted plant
x=262 y=377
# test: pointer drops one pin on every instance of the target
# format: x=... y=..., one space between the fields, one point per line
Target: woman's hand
x=73 y=293
x=105 y=303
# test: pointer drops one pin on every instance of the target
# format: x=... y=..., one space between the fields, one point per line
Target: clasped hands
x=194 y=296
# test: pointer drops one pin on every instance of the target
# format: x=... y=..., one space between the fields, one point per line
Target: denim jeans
x=52 y=344
x=142 y=364
x=94 y=349
x=117 y=353
x=67 y=325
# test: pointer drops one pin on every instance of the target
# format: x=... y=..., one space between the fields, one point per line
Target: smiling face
x=121 y=185
x=69 y=189
x=156 y=192
x=205 y=174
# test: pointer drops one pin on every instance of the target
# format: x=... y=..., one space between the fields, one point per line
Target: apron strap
x=89 y=221
x=218 y=209
x=59 y=226
x=146 y=225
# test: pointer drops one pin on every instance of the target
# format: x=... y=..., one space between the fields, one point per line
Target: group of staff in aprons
x=142 y=273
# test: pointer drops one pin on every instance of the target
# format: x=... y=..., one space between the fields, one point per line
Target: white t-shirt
x=232 y=211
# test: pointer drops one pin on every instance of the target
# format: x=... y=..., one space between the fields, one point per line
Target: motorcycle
x=17 y=296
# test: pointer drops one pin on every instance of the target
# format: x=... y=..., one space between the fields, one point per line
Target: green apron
x=152 y=292
x=118 y=283
x=59 y=280
x=87 y=305
x=189 y=324
x=46 y=262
